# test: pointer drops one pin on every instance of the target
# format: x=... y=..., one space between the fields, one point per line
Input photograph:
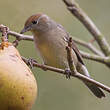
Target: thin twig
x=4 y=31
x=20 y=36
x=69 y=56
x=88 y=45
x=94 y=57
x=74 y=8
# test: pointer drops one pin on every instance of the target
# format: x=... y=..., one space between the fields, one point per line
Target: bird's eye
x=34 y=22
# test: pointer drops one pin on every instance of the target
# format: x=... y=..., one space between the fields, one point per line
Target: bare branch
x=87 y=22
x=20 y=36
x=4 y=31
x=88 y=45
x=94 y=57
x=84 y=78
x=69 y=57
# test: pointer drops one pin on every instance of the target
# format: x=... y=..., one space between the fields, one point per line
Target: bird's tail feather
x=95 y=90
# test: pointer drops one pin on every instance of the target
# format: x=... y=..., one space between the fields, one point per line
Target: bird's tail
x=95 y=90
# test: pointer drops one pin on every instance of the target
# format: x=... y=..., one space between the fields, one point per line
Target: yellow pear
x=18 y=87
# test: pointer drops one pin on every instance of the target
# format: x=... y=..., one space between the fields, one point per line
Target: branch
x=95 y=57
x=87 y=22
x=20 y=36
x=88 y=45
x=60 y=71
x=4 y=31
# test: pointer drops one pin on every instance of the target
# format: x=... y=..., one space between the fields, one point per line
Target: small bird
x=50 y=39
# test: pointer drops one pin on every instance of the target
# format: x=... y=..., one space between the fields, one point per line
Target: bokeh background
x=55 y=91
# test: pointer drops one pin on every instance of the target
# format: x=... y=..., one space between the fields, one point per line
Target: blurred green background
x=55 y=91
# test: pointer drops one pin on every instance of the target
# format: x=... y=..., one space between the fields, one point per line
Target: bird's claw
x=68 y=73
x=30 y=62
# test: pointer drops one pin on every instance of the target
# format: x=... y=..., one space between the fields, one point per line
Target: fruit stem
x=4 y=31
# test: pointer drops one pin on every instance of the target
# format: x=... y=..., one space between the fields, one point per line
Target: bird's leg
x=67 y=73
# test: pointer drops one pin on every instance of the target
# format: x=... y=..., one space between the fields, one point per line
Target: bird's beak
x=25 y=30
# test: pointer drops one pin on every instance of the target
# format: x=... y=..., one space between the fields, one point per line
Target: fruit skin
x=18 y=87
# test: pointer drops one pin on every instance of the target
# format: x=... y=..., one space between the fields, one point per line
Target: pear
x=18 y=87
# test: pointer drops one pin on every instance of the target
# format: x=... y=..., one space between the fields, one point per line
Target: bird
x=50 y=39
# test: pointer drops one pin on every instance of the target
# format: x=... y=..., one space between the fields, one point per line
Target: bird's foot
x=31 y=62
x=68 y=73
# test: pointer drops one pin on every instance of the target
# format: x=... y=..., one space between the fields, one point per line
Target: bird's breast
x=52 y=52
x=52 y=49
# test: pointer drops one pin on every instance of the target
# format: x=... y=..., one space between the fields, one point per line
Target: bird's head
x=37 y=23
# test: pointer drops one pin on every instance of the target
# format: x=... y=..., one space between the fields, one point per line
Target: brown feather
x=32 y=18
x=80 y=59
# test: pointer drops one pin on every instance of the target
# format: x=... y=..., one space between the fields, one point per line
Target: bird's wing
x=73 y=46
